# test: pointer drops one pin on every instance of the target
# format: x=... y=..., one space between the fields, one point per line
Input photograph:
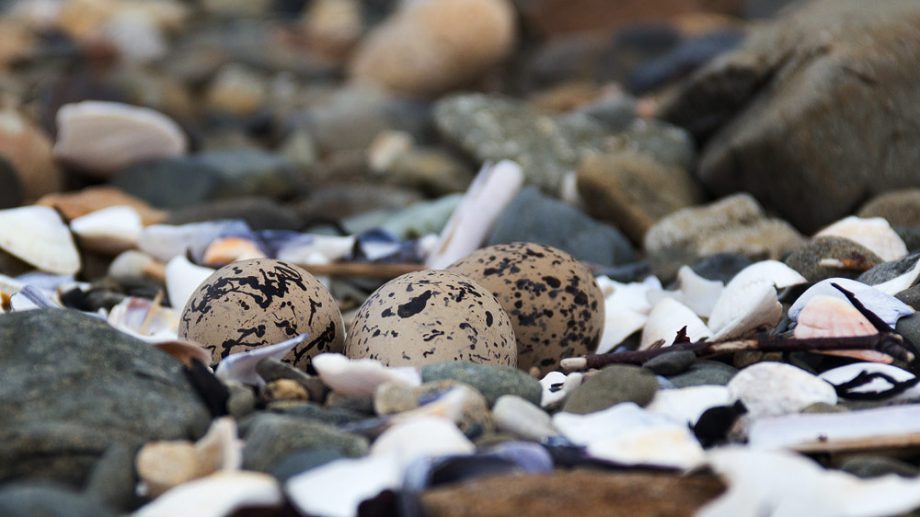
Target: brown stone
x=76 y=204
x=899 y=208
x=26 y=147
x=583 y=493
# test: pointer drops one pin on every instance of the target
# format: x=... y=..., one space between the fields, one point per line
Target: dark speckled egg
x=556 y=307
x=429 y=317
x=251 y=303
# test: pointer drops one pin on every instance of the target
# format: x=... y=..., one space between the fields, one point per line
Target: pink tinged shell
x=826 y=316
x=230 y=249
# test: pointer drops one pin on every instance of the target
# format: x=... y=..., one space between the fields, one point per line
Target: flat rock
x=704 y=373
x=806 y=259
x=671 y=363
x=491 y=381
x=269 y=438
x=73 y=386
x=611 y=386
x=533 y=217
x=587 y=493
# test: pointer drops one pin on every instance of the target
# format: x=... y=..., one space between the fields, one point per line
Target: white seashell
x=557 y=386
x=337 y=488
x=241 y=366
x=773 y=271
x=225 y=250
x=104 y=137
x=806 y=430
x=633 y=296
x=772 y=389
x=783 y=484
x=136 y=36
x=221 y=448
x=619 y=324
x=686 y=405
x=422 y=437
x=900 y=282
x=493 y=189
x=183 y=279
x=165 y=242
x=518 y=416
x=874 y=233
x=630 y=435
x=666 y=319
x=37 y=235
x=827 y=316
x=110 y=230
x=146 y=320
x=216 y=495
x=386 y=147
x=744 y=307
x=849 y=372
x=360 y=377
x=888 y=308
x=697 y=293
x=304 y=250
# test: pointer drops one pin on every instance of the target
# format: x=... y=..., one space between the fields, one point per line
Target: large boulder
x=815 y=112
x=73 y=386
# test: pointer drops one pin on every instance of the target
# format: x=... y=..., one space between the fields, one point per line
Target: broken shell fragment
x=874 y=233
x=360 y=377
x=38 y=236
x=101 y=138
x=667 y=318
x=888 y=308
x=826 y=316
x=108 y=231
x=743 y=308
x=217 y=495
x=230 y=249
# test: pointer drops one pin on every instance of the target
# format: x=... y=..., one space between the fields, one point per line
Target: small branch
x=887 y=343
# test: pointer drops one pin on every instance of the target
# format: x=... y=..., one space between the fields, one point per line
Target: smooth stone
x=272 y=370
x=761 y=107
x=47 y=500
x=806 y=259
x=886 y=271
x=520 y=417
x=344 y=200
x=703 y=373
x=74 y=386
x=867 y=466
x=615 y=112
x=11 y=196
x=317 y=413
x=910 y=297
x=474 y=420
x=269 y=438
x=909 y=327
x=414 y=221
x=721 y=267
x=252 y=173
x=170 y=183
x=667 y=144
x=587 y=493
x=491 y=381
x=242 y=401
x=898 y=207
x=302 y=461
x=633 y=191
x=431 y=171
x=611 y=386
x=112 y=481
x=533 y=217
x=492 y=128
x=683 y=59
x=553 y=18
x=671 y=363
x=911 y=237
x=258 y=213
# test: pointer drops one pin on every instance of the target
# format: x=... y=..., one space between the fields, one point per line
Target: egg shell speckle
x=251 y=303
x=556 y=307
x=429 y=317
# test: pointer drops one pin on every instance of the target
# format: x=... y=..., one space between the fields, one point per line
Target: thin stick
x=362 y=269
x=886 y=343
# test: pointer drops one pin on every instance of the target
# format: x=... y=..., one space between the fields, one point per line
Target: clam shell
x=164 y=241
x=772 y=389
x=888 y=308
x=874 y=233
x=666 y=319
x=744 y=307
x=183 y=279
x=697 y=293
x=826 y=316
x=110 y=230
x=217 y=495
x=772 y=271
x=493 y=189
x=184 y=351
x=360 y=377
x=421 y=437
x=686 y=405
x=38 y=236
x=104 y=137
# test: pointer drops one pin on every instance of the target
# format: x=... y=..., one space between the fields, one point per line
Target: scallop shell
x=110 y=230
x=38 y=236
x=744 y=307
x=874 y=233
x=888 y=308
x=666 y=319
x=493 y=189
x=104 y=137
x=360 y=377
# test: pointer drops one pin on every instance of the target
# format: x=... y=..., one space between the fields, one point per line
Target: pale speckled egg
x=555 y=305
x=251 y=303
x=429 y=317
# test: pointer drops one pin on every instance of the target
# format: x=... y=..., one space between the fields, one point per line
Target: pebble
x=270 y=437
x=24 y=499
x=26 y=155
x=515 y=415
x=259 y=213
x=867 y=466
x=807 y=260
x=273 y=370
x=391 y=398
x=491 y=381
x=611 y=386
x=703 y=373
x=774 y=389
x=899 y=207
x=671 y=363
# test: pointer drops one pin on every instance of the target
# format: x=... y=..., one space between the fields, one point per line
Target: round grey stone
x=611 y=386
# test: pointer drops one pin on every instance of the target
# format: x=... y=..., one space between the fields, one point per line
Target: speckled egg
x=251 y=303
x=556 y=307
x=429 y=317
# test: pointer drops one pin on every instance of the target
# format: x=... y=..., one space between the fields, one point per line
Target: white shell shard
x=743 y=308
x=493 y=189
x=521 y=417
x=630 y=435
x=557 y=386
x=421 y=437
x=792 y=431
x=697 y=293
x=225 y=250
x=183 y=279
x=448 y=406
x=874 y=233
x=849 y=372
x=888 y=308
x=619 y=324
x=360 y=377
x=221 y=448
x=110 y=230
x=900 y=282
x=337 y=488
x=686 y=405
x=773 y=389
x=241 y=366
x=782 y=484
x=37 y=235
x=216 y=495
x=633 y=296
x=165 y=242
x=666 y=319
x=773 y=271
x=302 y=250
x=146 y=320
x=104 y=137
